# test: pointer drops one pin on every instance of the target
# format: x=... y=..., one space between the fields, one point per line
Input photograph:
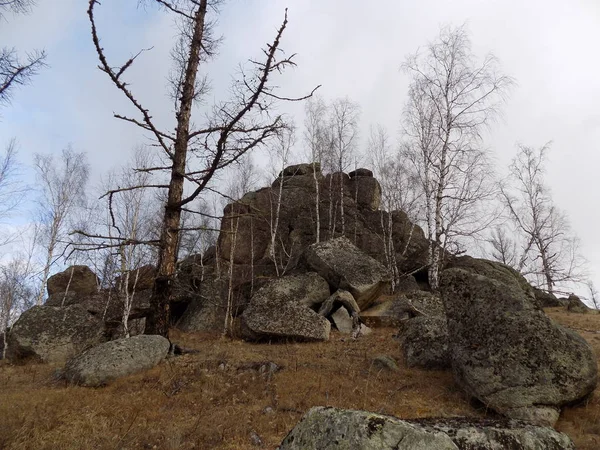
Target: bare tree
x=195 y=154
x=315 y=138
x=13 y=70
x=399 y=188
x=451 y=101
x=593 y=295
x=17 y=291
x=343 y=141
x=11 y=188
x=549 y=252
x=62 y=184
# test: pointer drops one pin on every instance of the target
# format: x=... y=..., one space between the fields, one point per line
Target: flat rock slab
x=53 y=334
x=111 y=360
x=508 y=354
x=346 y=267
x=331 y=428
x=280 y=310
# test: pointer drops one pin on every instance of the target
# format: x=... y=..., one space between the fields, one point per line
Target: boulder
x=111 y=360
x=327 y=428
x=346 y=267
x=75 y=279
x=386 y=363
x=547 y=300
x=576 y=305
x=508 y=354
x=279 y=310
x=53 y=334
x=425 y=343
x=343 y=321
x=337 y=299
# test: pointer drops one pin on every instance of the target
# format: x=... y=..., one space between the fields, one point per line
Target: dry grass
x=206 y=401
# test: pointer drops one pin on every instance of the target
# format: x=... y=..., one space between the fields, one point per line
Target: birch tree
x=549 y=251
x=343 y=137
x=62 y=187
x=192 y=154
x=315 y=139
x=452 y=99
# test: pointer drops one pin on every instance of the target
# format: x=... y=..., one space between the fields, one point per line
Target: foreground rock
x=76 y=279
x=111 y=360
x=346 y=267
x=280 y=310
x=51 y=334
x=330 y=428
x=507 y=353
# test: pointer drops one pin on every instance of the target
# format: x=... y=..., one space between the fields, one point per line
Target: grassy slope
x=205 y=401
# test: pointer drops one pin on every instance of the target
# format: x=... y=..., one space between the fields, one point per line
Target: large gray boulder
x=77 y=279
x=346 y=267
x=335 y=429
x=280 y=309
x=111 y=360
x=207 y=309
x=507 y=353
x=425 y=342
x=53 y=334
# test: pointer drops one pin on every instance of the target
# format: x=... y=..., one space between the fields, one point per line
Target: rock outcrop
x=280 y=309
x=53 y=334
x=331 y=428
x=574 y=304
x=507 y=353
x=346 y=267
x=76 y=279
x=111 y=360
x=364 y=224
x=547 y=300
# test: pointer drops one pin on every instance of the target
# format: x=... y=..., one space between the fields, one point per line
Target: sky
x=352 y=48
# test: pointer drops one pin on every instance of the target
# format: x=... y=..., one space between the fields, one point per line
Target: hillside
x=221 y=398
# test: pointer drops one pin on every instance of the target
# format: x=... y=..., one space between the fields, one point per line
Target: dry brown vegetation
x=213 y=400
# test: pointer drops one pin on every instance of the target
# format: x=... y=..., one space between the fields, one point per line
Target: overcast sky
x=352 y=48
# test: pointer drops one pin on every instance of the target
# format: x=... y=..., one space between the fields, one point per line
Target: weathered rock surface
x=425 y=342
x=494 y=270
x=140 y=279
x=392 y=313
x=507 y=353
x=78 y=279
x=279 y=310
x=346 y=267
x=207 y=309
x=547 y=300
x=330 y=428
x=51 y=334
x=576 y=305
x=111 y=360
